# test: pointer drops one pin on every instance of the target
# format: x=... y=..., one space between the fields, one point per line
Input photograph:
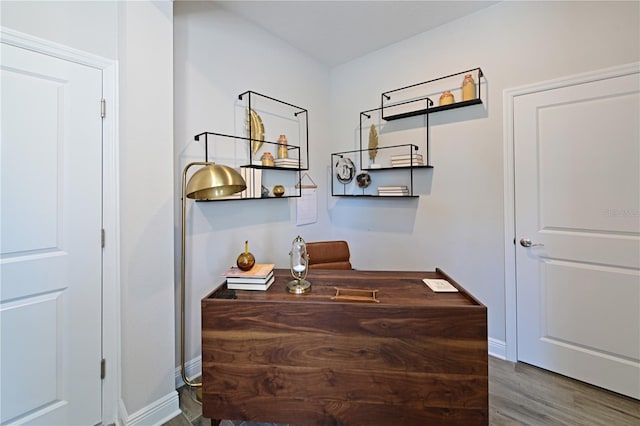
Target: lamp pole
x=183 y=372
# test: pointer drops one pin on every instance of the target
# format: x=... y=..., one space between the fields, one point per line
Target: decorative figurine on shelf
x=282 y=147
x=278 y=190
x=468 y=88
x=373 y=147
x=299 y=263
x=446 y=98
x=267 y=159
x=363 y=180
x=246 y=260
x=255 y=131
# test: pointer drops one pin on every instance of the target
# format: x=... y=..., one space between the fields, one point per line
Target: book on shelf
x=250 y=280
x=287 y=162
x=259 y=270
x=253 y=179
x=251 y=286
x=400 y=190
x=393 y=194
x=401 y=163
x=406 y=157
x=393 y=188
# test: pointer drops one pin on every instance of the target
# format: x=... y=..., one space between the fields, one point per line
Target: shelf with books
x=272 y=151
x=261 y=180
x=350 y=179
x=273 y=128
x=396 y=145
x=392 y=144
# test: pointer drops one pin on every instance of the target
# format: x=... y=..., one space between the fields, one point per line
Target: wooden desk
x=414 y=358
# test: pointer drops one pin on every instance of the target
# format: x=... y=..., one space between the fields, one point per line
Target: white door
x=577 y=199
x=50 y=253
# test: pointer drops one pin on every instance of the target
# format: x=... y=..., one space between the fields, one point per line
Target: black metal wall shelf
x=374 y=196
x=416 y=99
x=405 y=102
x=253 y=98
x=207 y=135
x=367 y=115
x=344 y=182
x=239 y=151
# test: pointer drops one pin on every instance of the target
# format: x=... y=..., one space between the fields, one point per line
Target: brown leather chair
x=329 y=255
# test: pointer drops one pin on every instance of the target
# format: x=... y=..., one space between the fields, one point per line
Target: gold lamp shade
x=214 y=181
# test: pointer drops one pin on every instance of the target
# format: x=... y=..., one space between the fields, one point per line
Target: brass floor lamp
x=207 y=183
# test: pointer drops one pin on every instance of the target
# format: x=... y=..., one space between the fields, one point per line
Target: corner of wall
x=156 y=413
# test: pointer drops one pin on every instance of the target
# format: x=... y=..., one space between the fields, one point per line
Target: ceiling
x=335 y=32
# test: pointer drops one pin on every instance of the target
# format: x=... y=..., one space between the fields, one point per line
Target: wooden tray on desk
x=413 y=357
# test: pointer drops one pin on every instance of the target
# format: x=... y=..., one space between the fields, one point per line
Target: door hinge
x=103 y=368
x=102 y=237
x=103 y=108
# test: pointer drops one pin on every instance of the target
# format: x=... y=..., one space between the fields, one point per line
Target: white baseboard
x=497 y=348
x=156 y=413
x=193 y=369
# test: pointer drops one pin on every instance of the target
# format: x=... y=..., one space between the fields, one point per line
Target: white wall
x=217 y=57
x=458 y=224
x=139 y=36
x=145 y=52
x=90 y=26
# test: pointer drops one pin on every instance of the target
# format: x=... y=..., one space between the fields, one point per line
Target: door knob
x=526 y=242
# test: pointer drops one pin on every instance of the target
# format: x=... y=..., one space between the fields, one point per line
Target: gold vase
x=468 y=88
x=267 y=159
x=282 y=147
x=446 y=98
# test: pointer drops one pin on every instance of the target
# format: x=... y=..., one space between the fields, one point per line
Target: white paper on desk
x=440 y=286
x=307 y=207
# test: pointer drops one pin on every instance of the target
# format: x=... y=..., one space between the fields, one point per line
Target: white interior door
x=50 y=254
x=577 y=195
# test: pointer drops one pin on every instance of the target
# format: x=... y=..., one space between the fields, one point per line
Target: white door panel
x=585 y=327
x=581 y=160
x=50 y=251
x=36 y=159
x=577 y=193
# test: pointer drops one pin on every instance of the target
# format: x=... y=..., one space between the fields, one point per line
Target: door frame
x=510 y=247
x=110 y=207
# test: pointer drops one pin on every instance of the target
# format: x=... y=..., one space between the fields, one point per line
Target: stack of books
x=260 y=277
x=391 y=191
x=253 y=179
x=293 y=163
x=407 y=160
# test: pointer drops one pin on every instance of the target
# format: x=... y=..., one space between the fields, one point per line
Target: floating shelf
x=281 y=115
x=431 y=110
x=344 y=183
x=417 y=99
x=368 y=117
x=409 y=101
x=242 y=152
x=207 y=135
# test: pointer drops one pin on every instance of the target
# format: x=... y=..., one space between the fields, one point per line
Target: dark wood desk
x=414 y=358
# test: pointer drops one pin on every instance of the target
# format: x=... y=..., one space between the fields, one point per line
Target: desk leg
x=215 y=422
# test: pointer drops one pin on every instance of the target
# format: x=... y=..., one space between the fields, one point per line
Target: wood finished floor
x=519 y=394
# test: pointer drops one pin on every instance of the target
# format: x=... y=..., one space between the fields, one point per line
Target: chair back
x=329 y=255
